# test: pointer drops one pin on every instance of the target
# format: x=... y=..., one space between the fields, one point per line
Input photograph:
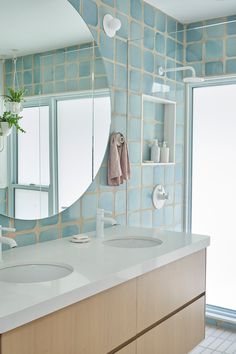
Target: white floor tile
x=231 y=349
x=216 y=343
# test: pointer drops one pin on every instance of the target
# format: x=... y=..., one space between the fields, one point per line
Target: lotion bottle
x=155 y=152
x=165 y=153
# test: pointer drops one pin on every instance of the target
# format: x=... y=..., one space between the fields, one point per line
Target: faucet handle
x=107 y=212
x=103 y=212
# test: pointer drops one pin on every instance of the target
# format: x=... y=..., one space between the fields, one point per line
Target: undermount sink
x=133 y=242
x=34 y=272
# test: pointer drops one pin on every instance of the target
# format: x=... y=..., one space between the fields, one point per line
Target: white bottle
x=155 y=152
x=165 y=153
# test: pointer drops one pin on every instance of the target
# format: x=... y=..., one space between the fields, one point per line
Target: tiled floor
x=217 y=340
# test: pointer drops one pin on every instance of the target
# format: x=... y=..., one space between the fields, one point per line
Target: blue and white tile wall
x=211 y=46
x=148 y=38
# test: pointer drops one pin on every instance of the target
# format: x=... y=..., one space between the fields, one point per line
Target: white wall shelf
x=158 y=122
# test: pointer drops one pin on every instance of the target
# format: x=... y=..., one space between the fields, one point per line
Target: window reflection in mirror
x=66 y=116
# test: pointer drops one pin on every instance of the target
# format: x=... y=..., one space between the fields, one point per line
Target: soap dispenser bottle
x=155 y=152
x=165 y=153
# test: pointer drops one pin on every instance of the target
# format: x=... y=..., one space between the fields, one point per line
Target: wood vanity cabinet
x=161 y=312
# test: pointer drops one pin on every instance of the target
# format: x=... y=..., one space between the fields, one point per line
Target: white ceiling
x=187 y=11
x=33 y=26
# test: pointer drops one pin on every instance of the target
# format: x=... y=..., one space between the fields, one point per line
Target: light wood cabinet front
x=166 y=289
x=177 y=335
x=93 y=326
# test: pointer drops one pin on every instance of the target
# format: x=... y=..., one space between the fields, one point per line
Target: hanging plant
x=7 y=121
x=14 y=99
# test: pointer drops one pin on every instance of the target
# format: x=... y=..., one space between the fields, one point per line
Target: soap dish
x=80 y=239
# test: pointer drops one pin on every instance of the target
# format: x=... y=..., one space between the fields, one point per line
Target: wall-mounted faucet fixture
x=111 y=25
x=101 y=220
x=190 y=79
x=159 y=196
x=6 y=240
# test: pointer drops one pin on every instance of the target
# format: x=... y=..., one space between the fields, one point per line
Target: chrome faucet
x=101 y=220
x=6 y=240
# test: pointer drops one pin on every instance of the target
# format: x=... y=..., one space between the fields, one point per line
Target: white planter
x=5 y=130
x=14 y=107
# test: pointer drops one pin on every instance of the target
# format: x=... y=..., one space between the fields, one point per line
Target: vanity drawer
x=93 y=326
x=177 y=335
x=166 y=289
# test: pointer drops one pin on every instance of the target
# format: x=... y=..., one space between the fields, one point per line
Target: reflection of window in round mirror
x=55 y=108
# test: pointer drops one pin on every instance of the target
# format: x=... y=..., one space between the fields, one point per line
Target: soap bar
x=80 y=239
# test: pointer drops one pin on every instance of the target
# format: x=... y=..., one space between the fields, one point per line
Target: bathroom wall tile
x=171 y=48
x=168 y=215
x=158 y=217
x=120 y=202
x=148 y=60
x=121 y=51
x=135 y=105
x=48 y=235
x=135 y=180
x=122 y=6
x=106 y=46
x=171 y=26
x=149 y=15
x=159 y=175
x=136 y=9
x=124 y=30
x=21 y=225
x=89 y=206
x=194 y=32
x=194 y=52
x=25 y=239
x=147 y=176
x=149 y=36
x=135 y=129
x=231 y=26
x=135 y=80
x=146 y=218
x=231 y=47
x=134 y=219
x=178 y=193
x=70 y=230
x=134 y=199
x=231 y=66
x=121 y=77
x=160 y=43
x=135 y=30
x=147 y=198
x=214 y=68
x=135 y=56
x=134 y=152
x=160 y=21
x=169 y=174
x=214 y=49
x=49 y=221
x=106 y=201
x=213 y=29
x=72 y=213
x=109 y=2
x=90 y=12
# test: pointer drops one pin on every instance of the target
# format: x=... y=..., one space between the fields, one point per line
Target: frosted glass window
x=33 y=147
x=31 y=204
x=102 y=119
x=75 y=126
x=214 y=187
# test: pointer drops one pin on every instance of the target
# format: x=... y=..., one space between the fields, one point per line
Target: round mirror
x=55 y=108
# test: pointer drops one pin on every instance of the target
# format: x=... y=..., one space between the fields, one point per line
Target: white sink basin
x=133 y=242
x=34 y=272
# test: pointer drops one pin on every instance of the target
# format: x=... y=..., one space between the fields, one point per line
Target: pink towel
x=118 y=161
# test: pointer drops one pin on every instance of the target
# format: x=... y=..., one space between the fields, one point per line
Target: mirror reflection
x=55 y=112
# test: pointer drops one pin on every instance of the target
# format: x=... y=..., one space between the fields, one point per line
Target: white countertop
x=97 y=267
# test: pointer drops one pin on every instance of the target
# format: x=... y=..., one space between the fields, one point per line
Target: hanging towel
x=118 y=161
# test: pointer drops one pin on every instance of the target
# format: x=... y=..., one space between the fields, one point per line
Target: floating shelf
x=158 y=122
